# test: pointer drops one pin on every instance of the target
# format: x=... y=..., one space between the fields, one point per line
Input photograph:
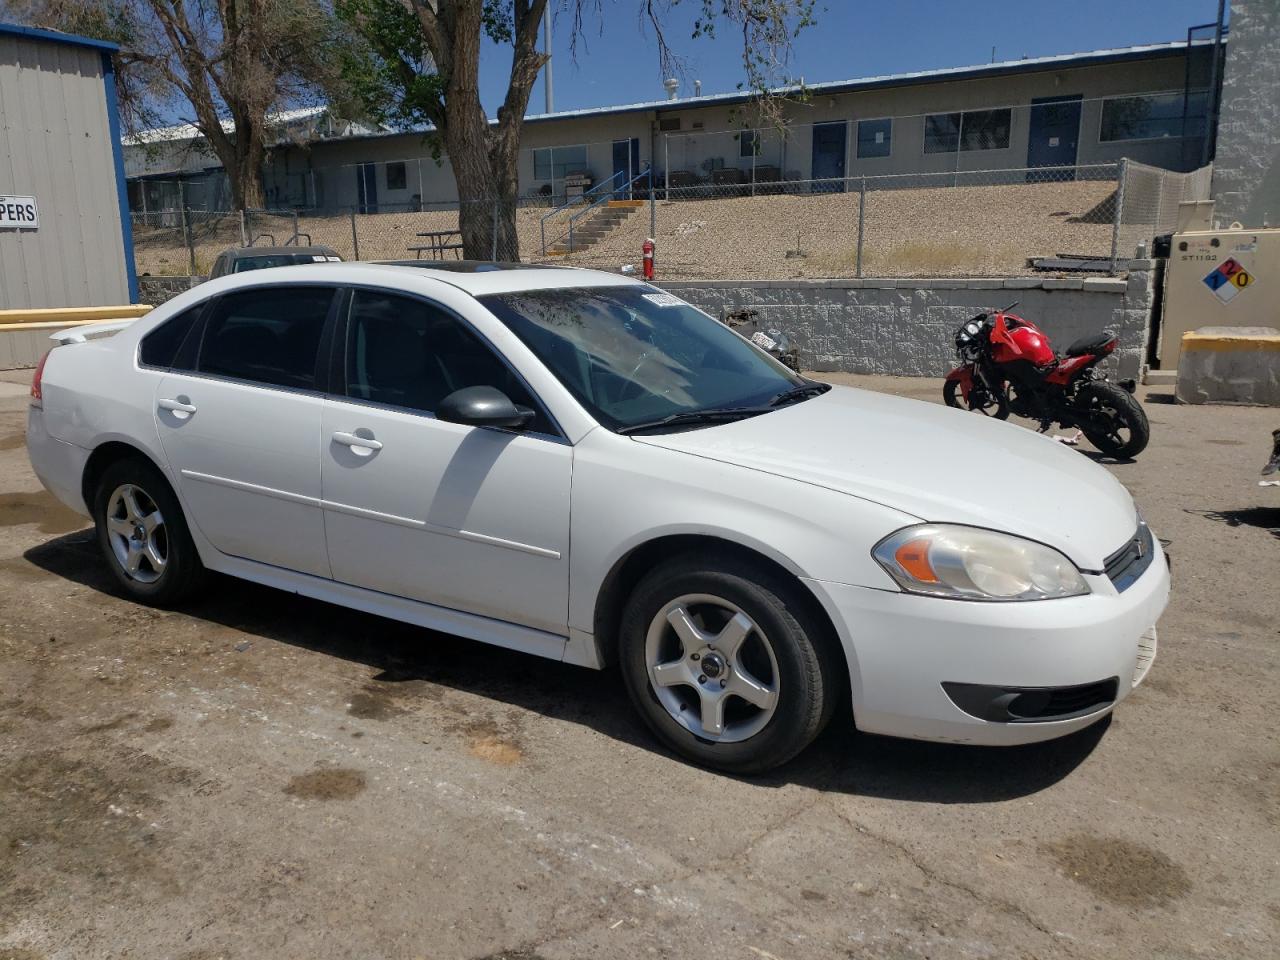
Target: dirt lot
x=938 y=232
x=265 y=776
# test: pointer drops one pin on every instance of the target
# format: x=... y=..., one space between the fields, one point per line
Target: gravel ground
x=959 y=231
x=260 y=775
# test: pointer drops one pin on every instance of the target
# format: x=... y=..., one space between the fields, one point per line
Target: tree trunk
x=485 y=157
x=487 y=199
x=248 y=179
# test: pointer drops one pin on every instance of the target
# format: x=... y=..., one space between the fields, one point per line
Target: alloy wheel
x=137 y=533
x=712 y=668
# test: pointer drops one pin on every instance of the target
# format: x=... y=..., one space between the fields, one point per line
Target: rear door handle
x=179 y=408
x=361 y=446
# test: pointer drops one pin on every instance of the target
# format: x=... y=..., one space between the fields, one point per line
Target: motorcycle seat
x=1090 y=344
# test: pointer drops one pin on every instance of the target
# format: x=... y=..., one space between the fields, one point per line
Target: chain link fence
x=960 y=223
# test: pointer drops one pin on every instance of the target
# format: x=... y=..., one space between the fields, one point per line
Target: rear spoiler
x=89 y=331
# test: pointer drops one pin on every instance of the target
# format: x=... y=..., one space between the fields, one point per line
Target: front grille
x=1130 y=562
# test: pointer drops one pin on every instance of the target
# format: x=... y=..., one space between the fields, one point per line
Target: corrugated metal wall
x=55 y=145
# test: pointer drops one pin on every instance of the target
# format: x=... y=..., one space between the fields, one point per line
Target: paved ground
x=264 y=776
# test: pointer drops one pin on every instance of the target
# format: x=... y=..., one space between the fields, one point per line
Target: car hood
x=933 y=462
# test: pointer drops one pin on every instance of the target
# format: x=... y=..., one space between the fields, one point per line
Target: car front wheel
x=727 y=663
x=143 y=534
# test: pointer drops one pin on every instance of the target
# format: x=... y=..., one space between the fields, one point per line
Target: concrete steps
x=599 y=225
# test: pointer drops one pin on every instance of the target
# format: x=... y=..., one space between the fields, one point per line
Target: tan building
x=1059 y=115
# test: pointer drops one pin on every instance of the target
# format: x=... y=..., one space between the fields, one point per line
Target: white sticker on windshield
x=664 y=299
x=334 y=259
x=763 y=340
x=317 y=258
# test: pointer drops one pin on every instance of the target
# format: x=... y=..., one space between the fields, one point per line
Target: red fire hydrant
x=648 y=258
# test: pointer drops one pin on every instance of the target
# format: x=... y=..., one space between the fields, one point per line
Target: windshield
x=634 y=354
x=272 y=260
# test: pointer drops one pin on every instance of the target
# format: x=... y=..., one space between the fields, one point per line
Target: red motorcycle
x=1007 y=365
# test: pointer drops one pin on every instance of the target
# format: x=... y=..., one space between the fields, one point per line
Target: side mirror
x=483 y=407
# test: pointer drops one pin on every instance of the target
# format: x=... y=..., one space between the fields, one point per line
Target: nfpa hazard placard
x=19 y=213
x=1228 y=279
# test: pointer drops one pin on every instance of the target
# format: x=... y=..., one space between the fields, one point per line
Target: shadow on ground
x=842 y=760
x=1265 y=518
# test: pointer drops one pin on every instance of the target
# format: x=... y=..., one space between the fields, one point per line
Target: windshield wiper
x=799 y=393
x=692 y=417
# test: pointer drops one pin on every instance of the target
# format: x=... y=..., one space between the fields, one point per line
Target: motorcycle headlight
x=969 y=563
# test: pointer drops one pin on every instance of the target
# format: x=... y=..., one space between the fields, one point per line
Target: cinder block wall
x=901 y=327
x=907 y=327
x=156 y=290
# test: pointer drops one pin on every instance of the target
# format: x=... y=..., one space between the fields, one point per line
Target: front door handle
x=361 y=446
x=180 y=408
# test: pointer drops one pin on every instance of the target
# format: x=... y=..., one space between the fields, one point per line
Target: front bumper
x=901 y=649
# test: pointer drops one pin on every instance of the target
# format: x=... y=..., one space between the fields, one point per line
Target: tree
x=213 y=60
x=418 y=63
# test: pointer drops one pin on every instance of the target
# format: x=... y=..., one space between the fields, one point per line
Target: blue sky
x=853 y=38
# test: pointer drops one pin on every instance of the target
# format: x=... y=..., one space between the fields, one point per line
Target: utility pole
x=546 y=47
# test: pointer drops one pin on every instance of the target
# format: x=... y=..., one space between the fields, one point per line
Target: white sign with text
x=18 y=213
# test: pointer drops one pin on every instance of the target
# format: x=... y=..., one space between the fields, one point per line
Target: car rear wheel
x=726 y=664
x=143 y=534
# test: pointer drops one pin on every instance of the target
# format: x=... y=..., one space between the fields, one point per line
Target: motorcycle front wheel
x=1114 y=422
x=980 y=400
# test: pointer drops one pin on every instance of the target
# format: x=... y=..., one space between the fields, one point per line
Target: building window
x=1154 y=116
x=552 y=163
x=669 y=124
x=971 y=130
x=396 y=176
x=941 y=132
x=874 y=138
x=748 y=144
x=985 y=129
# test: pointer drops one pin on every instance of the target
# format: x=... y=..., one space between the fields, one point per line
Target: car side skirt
x=473 y=627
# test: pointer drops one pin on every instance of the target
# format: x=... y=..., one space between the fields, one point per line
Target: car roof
x=477 y=278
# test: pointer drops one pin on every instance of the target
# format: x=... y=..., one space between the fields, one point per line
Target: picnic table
x=438 y=241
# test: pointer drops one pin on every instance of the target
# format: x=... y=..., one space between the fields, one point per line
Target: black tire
x=809 y=677
x=996 y=407
x=1102 y=400
x=181 y=572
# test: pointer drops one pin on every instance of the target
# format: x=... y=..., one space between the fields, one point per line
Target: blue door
x=1053 y=137
x=626 y=162
x=828 y=157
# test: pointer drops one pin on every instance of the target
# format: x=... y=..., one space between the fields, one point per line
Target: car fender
x=627 y=494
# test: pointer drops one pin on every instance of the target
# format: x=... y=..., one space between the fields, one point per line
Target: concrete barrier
x=24 y=334
x=1230 y=365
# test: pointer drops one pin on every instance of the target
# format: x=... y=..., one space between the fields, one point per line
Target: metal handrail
x=542 y=224
x=647 y=172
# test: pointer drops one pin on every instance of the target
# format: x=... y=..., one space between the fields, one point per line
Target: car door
x=240 y=426
x=471 y=518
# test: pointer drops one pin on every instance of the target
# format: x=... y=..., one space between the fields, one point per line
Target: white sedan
x=583 y=467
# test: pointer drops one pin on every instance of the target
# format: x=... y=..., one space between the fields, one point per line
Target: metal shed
x=65 y=237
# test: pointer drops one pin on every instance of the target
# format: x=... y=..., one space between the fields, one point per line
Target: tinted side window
x=268 y=336
x=160 y=346
x=407 y=353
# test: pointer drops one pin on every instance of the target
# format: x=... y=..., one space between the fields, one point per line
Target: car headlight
x=968 y=563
